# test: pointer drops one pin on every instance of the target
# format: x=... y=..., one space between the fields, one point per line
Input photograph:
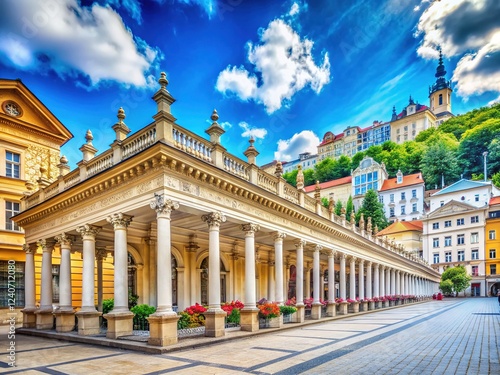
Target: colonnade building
x=201 y=225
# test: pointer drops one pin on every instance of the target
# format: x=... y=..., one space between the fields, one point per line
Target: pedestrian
x=498 y=294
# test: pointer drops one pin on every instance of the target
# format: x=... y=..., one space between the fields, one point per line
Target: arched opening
x=174 y=283
x=204 y=282
x=292 y=282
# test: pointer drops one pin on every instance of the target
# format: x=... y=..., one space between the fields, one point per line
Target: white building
x=369 y=175
x=403 y=197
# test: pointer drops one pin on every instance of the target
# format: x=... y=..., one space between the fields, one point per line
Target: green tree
x=496 y=179
x=323 y=169
x=309 y=177
x=338 y=208
x=291 y=177
x=325 y=202
x=349 y=207
x=439 y=162
x=493 y=159
x=371 y=207
x=458 y=277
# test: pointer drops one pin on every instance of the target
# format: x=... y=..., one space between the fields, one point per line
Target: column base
x=65 y=320
x=163 y=328
x=44 y=318
x=316 y=311
x=343 y=308
x=215 y=321
x=331 y=309
x=364 y=306
x=300 y=314
x=354 y=308
x=386 y=304
x=88 y=322
x=371 y=305
x=29 y=318
x=249 y=319
x=119 y=324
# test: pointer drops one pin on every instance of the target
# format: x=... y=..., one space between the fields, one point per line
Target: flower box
x=271 y=322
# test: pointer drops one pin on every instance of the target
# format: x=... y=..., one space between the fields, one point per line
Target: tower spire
x=441 y=82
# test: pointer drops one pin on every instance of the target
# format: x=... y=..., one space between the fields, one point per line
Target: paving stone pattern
x=453 y=336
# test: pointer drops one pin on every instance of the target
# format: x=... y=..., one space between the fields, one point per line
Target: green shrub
x=143 y=311
x=107 y=305
x=234 y=316
x=287 y=310
x=184 y=319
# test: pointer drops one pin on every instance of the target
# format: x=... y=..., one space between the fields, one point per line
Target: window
x=435 y=225
x=493 y=253
x=493 y=269
x=9 y=268
x=492 y=235
x=447 y=223
x=391 y=198
x=440 y=99
x=414 y=208
x=11 y=209
x=414 y=193
x=55 y=283
x=475 y=254
x=474 y=237
x=381 y=199
x=461 y=255
x=435 y=242
x=391 y=212
x=460 y=221
x=403 y=196
x=475 y=271
x=436 y=257
x=447 y=256
x=447 y=241
x=403 y=210
x=442 y=203
x=474 y=219
x=12 y=164
x=460 y=239
x=476 y=198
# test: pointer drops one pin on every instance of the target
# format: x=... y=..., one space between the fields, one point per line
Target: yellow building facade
x=492 y=247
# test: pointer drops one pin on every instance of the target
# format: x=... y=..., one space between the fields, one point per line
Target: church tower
x=440 y=94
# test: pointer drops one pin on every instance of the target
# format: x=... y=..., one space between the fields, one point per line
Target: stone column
x=398 y=282
x=215 y=316
x=163 y=323
x=308 y=280
x=387 y=284
x=331 y=310
x=271 y=278
x=299 y=297
x=65 y=314
x=88 y=316
x=382 y=281
x=393 y=281
x=352 y=282
x=376 y=281
x=343 y=292
x=44 y=317
x=249 y=320
x=120 y=318
x=316 y=306
x=29 y=319
x=153 y=300
x=278 y=269
x=101 y=254
x=369 y=286
x=361 y=283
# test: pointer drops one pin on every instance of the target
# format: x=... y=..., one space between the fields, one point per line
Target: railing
x=267 y=181
x=310 y=203
x=72 y=178
x=236 y=166
x=291 y=194
x=101 y=163
x=192 y=144
x=139 y=141
x=51 y=190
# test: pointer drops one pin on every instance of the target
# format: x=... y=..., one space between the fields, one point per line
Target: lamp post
x=485 y=154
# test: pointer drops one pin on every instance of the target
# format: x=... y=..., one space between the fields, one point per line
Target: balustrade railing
x=236 y=166
x=192 y=144
x=139 y=141
x=101 y=163
x=267 y=181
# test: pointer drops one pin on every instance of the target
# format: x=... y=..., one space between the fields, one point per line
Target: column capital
x=214 y=219
x=279 y=236
x=343 y=256
x=361 y=261
x=64 y=240
x=101 y=253
x=119 y=220
x=88 y=231
x=332 y=253
x=318 y=247
x=369 y=263
x=353 y=259
x=46 y=245
x=250 y=228
x=162 y=205
x=300 y=243
x=29 y=249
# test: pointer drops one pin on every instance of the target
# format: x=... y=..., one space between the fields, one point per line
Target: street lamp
x=485 y=154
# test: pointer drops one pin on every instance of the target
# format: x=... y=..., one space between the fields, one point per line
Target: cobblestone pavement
x=454 y=336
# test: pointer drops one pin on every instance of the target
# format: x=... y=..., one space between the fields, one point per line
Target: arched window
x=440 y=99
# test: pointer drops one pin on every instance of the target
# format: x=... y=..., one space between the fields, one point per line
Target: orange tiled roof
x=412 y=179
x=494 y=200
x=402 y=226
x=329 y=184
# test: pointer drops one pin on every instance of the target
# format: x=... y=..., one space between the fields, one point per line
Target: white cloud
x=294 y=10
x=75 y=41
x=284 y=64
x=252 y=132
x=133 y=7
x=468 y=29
x=289 y=149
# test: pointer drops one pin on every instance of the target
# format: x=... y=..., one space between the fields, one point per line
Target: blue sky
x=282 y=72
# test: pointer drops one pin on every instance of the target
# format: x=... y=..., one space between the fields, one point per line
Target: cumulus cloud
x=470 y=30
x=251 y=132
x=283 y=65
x=133 y=7
x=75 y=41
x=289 y=149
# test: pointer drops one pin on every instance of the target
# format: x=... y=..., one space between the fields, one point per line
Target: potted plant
x=268 y=312
x=287 y=311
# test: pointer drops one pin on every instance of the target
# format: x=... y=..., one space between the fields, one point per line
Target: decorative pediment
x=20 y=109
x=451 y=208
